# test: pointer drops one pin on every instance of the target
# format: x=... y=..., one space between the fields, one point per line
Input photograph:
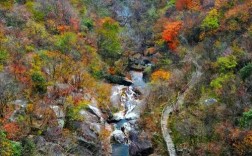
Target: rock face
x=118 y=80
x=140 y=145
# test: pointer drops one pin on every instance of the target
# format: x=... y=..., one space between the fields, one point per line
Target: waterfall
x=127 y=99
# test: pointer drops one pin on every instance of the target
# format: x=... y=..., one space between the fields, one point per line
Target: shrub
x=66 y=41
x=39 y=82
x=211 y=21
x=246 y=71
x=73 y=112
x=28 y=147
x=8 y=147
x=226 y=63
x=218 y=82
x=160 y=75
x=3 y=58
x=37 y=15
x=246 y=119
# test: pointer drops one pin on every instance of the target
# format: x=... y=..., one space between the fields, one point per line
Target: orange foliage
x=160 y=75
x=104 y=134
x=242 y=142
x=111 y=71
x=171 y=32
x=63 y=28
x=183 y=4
x=187 y=4
x=241 y=11
x=12 y=130
x=19 y=71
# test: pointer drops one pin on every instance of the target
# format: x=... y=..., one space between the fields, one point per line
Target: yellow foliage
x=160 y=75
x=104 y=134
x=30 y=108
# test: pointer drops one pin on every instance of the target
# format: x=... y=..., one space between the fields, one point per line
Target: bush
x=160 y=75
x=73 y=113
x=211 y=21
x=8 y=147
x=28 y=147
x=246 y=71
x=66 y=41
x=39 y=82
x=226 y=63
x=246 y=120
x=3 y=58
x=218 y=82
x=37 y=15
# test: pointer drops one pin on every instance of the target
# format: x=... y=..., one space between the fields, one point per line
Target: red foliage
x=19 y=71
x=170 y=34
x=63 y=28
x=75 y=23
x=12 y=130
x=183 y=4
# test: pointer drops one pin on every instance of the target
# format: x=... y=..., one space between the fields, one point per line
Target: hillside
x=131 y=77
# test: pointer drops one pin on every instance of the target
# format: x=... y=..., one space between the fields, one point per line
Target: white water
x=130 y=108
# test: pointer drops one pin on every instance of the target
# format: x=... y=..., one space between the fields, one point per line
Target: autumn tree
x=160 y=75
x=171 y=32
x=183 y=4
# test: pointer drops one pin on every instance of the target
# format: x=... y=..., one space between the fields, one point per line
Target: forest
x=125 y=77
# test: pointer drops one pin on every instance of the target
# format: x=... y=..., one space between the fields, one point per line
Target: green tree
x=246 y=119
x=109 y=44
x=223 y=79
x=211 y=21
x=246 y=71
x=39 y=82
x=226 y=63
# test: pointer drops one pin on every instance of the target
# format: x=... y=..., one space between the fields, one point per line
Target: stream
x=129 y=100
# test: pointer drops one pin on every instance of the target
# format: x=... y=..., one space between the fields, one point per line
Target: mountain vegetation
x=60 y=59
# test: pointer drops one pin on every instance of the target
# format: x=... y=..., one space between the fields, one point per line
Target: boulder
x=131 y=116
x=95 y=111
x=210 y=101
x=118 y=80
x=119 y=137
x=53 y=133
x=89 y=117
x=118 y=116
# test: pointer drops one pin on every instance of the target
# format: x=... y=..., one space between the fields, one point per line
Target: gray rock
x=95 y=111
x=139 y=145
x=55 y=150
x=89 y=117
x=59 y=112
x=210 y=101
x=119 y=136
